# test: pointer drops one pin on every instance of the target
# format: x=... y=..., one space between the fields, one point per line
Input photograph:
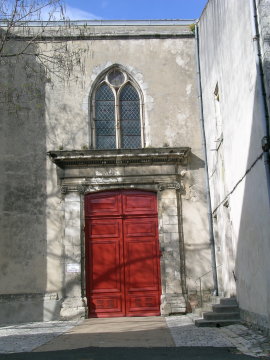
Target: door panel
x=105 y=229
x=105 y=267
x=122 y=254
x=141 y=228
x=103 y=204
x=141 y=256
x=139 y=203
x=140 y=267
x=143 y=305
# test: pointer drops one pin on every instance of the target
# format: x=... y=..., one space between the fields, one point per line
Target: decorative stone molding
x=68 y=188
x=175 y=185
x=120 y=157
x=81 y=189
x=64 y=189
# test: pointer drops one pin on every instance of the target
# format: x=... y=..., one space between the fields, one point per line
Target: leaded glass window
x=105 y=118
x=117 y=112
x=130 y=118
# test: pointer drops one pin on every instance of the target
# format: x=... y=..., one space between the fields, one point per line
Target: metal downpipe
x=262 y=92
x=209 y=205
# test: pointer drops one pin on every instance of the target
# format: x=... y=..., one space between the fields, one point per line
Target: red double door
x=122 y=254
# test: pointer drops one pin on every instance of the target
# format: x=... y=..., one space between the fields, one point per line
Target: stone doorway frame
x=168 y=187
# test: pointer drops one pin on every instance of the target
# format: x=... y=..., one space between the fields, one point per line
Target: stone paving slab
x=149 y=331
x=185 y=333
x=134 y=333
x=26 y=337
x=248 y=341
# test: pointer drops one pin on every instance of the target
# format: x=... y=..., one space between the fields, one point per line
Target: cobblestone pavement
x=185 y=333
x=247 y=341
x=26 y=337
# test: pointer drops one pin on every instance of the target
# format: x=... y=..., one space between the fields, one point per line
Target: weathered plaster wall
x=236 y=170
x=165 y=71
x=23 y=235
x=42 y=232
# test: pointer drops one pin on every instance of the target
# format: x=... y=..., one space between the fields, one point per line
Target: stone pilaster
x=74 y=306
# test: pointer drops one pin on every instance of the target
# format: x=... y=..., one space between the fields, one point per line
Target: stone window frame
x=103 y=78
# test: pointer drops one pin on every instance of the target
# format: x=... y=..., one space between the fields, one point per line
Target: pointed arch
x=116 y=110
x=130 y=123
x=105 y=117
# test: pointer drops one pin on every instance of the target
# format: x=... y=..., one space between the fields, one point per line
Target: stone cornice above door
x=120 y=157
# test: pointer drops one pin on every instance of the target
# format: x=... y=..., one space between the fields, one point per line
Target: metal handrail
x=200 y=279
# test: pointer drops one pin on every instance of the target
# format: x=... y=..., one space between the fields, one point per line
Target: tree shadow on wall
x=22 y=186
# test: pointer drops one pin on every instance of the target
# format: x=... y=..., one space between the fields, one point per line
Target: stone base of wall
x=172 y=304
x=197 y=299
x=73 y=308
x=20 y=308
x=256 y=321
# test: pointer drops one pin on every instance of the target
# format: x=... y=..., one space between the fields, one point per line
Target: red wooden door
x=122 y=254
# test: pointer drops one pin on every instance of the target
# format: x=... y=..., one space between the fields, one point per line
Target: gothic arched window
x=105 y=118
x=116 y=111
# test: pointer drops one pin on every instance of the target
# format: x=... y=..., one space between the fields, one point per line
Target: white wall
x=236 y=169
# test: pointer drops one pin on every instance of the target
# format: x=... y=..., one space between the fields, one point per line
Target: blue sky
x=134 y=9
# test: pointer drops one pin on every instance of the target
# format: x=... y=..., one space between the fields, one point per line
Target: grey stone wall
x=23 y=234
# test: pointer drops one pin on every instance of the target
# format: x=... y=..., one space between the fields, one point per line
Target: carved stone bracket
x=175 y=185
x=72 y=188
x=64 y=189
x=81 y=189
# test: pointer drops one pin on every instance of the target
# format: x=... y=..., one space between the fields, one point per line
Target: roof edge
x=165 y=22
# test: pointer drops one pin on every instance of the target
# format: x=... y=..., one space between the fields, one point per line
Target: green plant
x=61 y=147
x=192 y=27
x=84 y=147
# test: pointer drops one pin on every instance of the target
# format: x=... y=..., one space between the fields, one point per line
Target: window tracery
x=116 y=112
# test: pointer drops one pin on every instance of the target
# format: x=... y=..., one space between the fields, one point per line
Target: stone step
x=228 y=301
x=218 y=308
x=221 y=316
x=215 y=299
x=216 y=323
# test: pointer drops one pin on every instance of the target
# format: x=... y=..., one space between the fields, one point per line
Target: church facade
x=110 y=152
x=137 y=182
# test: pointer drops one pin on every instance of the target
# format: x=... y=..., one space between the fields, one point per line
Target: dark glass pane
x=130 y=110
x=105 y=110
x=131 y=128
x=129 y=93
x=131 y=142
x=105 y=142
x=116 y=78
x=130 y=118
x=105 y=128
x=105 y=118
x=104 y=93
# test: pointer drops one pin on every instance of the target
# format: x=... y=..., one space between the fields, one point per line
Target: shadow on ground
x=94 y=353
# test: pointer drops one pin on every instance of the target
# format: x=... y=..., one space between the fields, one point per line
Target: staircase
x=222 y=314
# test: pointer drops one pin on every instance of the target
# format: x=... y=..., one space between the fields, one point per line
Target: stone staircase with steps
x=222 y=314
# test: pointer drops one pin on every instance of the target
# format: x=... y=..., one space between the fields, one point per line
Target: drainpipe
x=262 y=93
x=209 y=205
